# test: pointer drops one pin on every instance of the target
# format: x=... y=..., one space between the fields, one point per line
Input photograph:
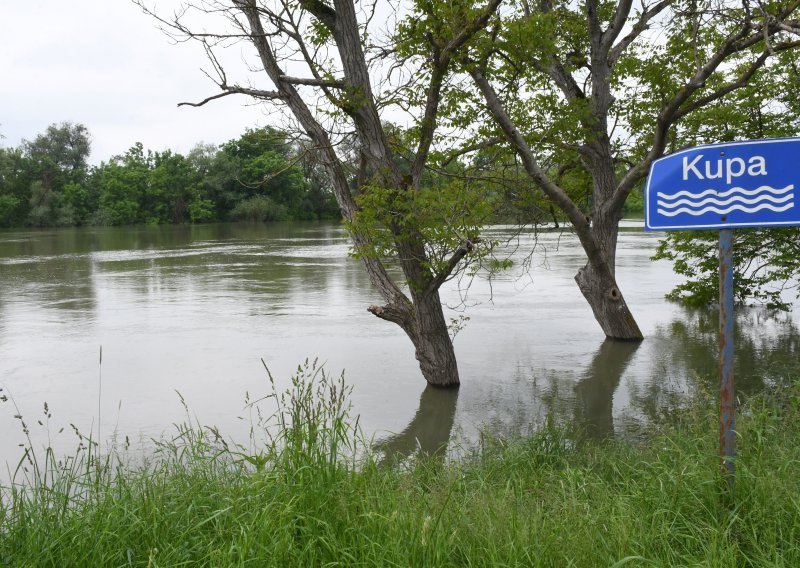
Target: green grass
x=302 y=499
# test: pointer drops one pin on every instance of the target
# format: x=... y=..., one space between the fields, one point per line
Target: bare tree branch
x=618 y=22
x=488 y=143
x=295 y=33
x=321 y=11
x=466 y=247
x=264 y=95
x=313 y=82
x=638 y=28
x=593 y=21
x=377 y=272
x=564 y=80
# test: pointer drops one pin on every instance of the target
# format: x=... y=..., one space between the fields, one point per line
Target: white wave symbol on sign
x=735 y=199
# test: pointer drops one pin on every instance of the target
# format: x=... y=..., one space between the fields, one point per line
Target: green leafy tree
x=766 y=266
x=268 y=181
x=259 y=208
x=170 y=189
x=212 y=170
x=216 y=179
x=122 y=187
x=149 y=188
x=319 y=201
x=14 y=188
x=601 y=89
x=48 y=207
x=54 y=159
x=392 y=217
x=80 y=200
x=259 y=176
x=766 y=261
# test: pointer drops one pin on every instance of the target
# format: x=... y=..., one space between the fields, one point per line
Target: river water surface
x=193 y=309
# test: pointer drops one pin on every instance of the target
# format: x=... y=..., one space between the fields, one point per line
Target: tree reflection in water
x=663 y=374
x=429 y=431
x=595 y=392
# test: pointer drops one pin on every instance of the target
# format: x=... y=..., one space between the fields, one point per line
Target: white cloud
x=103 y=63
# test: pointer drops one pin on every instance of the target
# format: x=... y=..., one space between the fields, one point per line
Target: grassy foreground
x=298 y=501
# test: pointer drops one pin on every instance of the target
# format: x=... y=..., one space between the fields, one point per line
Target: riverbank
x=547 y=500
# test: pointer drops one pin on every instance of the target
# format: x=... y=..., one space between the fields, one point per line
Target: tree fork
x=420 y=313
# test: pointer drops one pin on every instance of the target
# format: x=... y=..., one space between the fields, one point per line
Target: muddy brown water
x=193 y=309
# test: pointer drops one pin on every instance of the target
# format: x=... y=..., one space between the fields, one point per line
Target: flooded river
x=193 y=309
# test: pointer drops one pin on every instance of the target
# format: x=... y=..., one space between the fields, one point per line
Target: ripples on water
x=193 y=309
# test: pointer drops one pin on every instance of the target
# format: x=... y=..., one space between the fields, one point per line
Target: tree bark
x=597 y=236
x=599 y=287
x=432 y=343
x=420 y=317
x=426 y=325
x=423 y=322
x=597 y=279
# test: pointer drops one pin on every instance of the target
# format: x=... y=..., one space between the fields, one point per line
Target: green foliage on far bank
x=766 y=265
x=301 y=499
x=261 y=176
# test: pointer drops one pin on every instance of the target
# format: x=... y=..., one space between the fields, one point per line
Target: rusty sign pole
x=727 y=186
x=727 y=396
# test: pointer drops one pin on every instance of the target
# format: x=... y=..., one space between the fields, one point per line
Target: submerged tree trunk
x=600 y=289
x=597 y=236
x=424 y=323
x=421 y=317
x=432 y=343
x=597 y=279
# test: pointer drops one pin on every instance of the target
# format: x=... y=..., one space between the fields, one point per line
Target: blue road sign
x=754 y=183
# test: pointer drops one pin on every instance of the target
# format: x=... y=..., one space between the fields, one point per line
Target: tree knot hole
x=614 y=293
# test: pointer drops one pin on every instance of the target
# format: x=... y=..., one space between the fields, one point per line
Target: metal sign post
x=754 y=183
x=727 y=394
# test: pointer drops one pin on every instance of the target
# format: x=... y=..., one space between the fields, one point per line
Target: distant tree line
x=264 y=175
x=261 y=176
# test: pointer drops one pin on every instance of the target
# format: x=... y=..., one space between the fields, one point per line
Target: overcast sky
x=103 y=63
